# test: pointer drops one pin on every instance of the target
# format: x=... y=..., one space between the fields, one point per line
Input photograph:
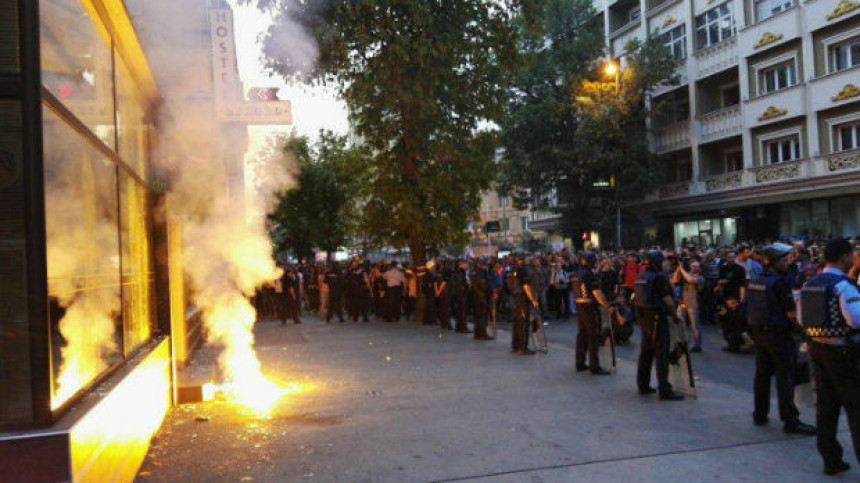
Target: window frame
x=829 y=43
x=675 y=43
x=780 y=136
x=775 y=62
x=783 y=6
x=731 y=152
x=708 y=23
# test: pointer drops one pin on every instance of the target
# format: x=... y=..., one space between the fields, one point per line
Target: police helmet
x=431 y=265
x=655 y=258
x=776 y=251
x=589 y=258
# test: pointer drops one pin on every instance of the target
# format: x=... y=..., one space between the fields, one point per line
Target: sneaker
x=797 y=427
x=581 y=368
x=647 y=391
x=835 y=469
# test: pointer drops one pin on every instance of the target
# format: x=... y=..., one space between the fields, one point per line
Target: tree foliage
x=322 y=210
x=421 y=78
x=571 y=128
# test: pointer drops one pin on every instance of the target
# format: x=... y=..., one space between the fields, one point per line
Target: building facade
x=762 y=136
x=93 y=319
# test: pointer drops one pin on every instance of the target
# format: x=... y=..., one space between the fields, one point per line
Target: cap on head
x=776 y=251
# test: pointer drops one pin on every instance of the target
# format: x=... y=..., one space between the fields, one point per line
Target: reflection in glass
x=15 y=389
x=137 y=275
x=83 y=259
x=130 y=127
x=76 y=64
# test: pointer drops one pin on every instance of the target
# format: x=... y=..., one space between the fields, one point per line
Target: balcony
x=835 y=89
x=821 y=13
x=661 y=89
x=674 y=190
x=787 y=171
x=720 y=124
x=837 y=163
x=716 y=58
x=775 y=106
x=724 y=182
x=770 y=32
x=620 y=36
x=672 y=137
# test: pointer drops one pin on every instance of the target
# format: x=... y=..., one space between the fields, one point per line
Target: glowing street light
x=611 y=69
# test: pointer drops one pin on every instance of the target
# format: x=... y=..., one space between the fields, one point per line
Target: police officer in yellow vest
x=830 y=314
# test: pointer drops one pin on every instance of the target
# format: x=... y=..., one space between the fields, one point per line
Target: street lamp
x=611 y=69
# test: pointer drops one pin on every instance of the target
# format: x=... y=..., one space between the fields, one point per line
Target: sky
x=313 y=108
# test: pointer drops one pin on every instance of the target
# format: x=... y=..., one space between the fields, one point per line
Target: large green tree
x=573 y=131
x=421 y=79
x=322 y=209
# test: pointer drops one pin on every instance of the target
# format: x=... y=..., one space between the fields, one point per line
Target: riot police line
x=785 y=303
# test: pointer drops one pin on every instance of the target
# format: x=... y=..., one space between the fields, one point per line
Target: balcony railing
x=675 y=190
x=839 y=162
x=716 y=58
x=781 y=172
x=725 y=181
x=720 y=124
x=673 y=137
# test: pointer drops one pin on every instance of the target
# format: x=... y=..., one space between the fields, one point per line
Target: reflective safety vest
x=643 y=290
x=822 y=314
x=763 y=307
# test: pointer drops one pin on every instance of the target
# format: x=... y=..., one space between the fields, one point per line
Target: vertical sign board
x=225 y=72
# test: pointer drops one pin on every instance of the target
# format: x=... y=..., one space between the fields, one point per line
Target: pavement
x=398 y=402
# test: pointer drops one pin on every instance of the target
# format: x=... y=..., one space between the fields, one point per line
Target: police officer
x=428 y=289
x=334 y=280
x=461 y=296
x=481 y=297
x=654 y=305
x=519 y=289
x=830 y=315
x=771 y=316
x=441 y=290
x=584 y=286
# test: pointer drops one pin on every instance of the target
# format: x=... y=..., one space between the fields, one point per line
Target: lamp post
x=611 y=69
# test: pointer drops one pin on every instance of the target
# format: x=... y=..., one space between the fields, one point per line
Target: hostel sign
x=229 y=103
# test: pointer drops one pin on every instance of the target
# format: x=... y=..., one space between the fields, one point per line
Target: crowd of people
x=754 y=293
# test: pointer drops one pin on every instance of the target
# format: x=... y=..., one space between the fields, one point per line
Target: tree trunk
x=418 y=252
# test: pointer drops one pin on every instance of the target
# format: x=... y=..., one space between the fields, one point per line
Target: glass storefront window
x=131 y=129
x=10 y=59
x=138 y=278
x=15 y=379
x=82 y=228
x=77 y=64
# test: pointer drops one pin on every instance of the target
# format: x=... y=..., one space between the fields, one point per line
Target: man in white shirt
x=394 y=283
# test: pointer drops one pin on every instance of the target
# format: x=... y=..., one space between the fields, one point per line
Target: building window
x=734 y=160
x=524 y=223
x=506 y=224
x=768 y=8
x=715 y=26
x=781 y=149
x=845 y=55
x=847 y=136
x=634 y=15
x=779 y=76
x=676 y=41
x=730 y=95
x=503 y=201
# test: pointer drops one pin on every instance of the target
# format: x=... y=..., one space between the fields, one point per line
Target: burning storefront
x=119 y=139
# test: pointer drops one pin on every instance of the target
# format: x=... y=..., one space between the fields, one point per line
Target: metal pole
x=617 y=224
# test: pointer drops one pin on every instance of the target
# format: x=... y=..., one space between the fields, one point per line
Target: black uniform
x=428 y=288
x=769 y=301
x=334 y=280
x=583 y=284
x=461 y=300
x=481 y=297
x=650 y=289
x=836 y=354
x=360 y=295
x=515 y=281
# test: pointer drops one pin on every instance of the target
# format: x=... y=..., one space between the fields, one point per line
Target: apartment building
x=762 y=136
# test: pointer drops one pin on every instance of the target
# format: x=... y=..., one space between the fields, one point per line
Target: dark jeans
x=461 y=310
x=654 y=347
x=837 y=379
x=775 y=355
x=481 y=314
x=335 y=305
x=587 y=337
